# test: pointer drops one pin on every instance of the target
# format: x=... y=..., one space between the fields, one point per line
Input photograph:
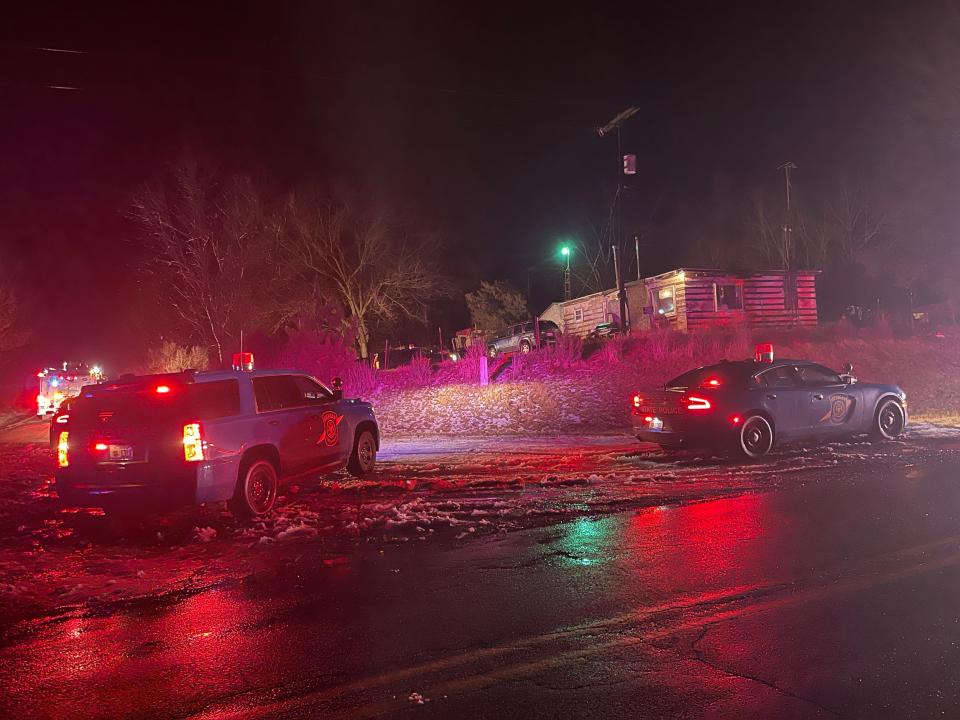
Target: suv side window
x=311 y=391
x=818 y=375
x=276 y=392
x=784 y=376
x=216 y=399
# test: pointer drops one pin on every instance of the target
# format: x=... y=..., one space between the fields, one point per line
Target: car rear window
x=726 y=374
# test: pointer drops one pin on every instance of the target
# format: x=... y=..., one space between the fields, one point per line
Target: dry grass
x=553 y=392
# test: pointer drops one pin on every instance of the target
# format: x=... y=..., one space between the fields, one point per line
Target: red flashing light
x=736 y=419
x=713 y=382
x=100 y=447
x=764 y=352
x=637 y=400
x=163 y=389
x=698 y=403
x=648 y=419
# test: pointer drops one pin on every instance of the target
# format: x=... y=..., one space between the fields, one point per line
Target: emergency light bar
x=243 y=361
x=764 y=353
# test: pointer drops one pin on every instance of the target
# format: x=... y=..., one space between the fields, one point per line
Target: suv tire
x=256 y=492
x=525 y=346
x=364 y=455
x=491 y=352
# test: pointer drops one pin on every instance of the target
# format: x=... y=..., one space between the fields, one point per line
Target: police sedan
x=160 y=441
x=752 y=405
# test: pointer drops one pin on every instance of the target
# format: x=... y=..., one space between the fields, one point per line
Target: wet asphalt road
x=818 y=599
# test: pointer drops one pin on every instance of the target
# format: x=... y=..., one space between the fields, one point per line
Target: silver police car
x=161 y=441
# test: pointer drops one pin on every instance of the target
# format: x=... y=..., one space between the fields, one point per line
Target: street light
x=565 y=252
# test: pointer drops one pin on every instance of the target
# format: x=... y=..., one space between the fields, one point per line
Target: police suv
x=161 y=441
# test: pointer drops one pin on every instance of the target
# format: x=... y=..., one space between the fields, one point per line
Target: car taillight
x=192 y=442
x=62 y=419
x=697 y=403
x=63 y=449
x=713 y=382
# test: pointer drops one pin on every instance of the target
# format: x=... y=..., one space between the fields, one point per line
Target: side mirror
x=338 y=388
x=847 y=375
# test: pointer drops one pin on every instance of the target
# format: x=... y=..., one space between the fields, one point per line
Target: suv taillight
x=63 y=449
x=192 y=442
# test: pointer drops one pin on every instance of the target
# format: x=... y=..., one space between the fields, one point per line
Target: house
x=698 y=299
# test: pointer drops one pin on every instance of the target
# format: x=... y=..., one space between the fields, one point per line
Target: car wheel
x=364 y=455
x=256 y=492
x=525 y=346
x=889 y=421
x=756 y=437
x=491 y=352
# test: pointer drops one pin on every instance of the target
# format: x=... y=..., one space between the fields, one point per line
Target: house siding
x=766 y=300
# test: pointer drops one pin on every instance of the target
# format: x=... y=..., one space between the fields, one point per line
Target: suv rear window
x=137 y=405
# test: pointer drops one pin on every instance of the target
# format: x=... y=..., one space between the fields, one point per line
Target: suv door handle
x=771 y=396
x=818 y=396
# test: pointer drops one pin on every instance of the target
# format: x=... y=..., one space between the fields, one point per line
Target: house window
x=729 y=297
x=578 y=314
x=665 y=301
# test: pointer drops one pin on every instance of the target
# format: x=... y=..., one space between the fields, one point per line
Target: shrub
x=173 y=357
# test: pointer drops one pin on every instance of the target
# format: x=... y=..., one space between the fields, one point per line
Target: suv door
x=834 y=405
x=281 y=407
x=330 y=431
x=786 y=400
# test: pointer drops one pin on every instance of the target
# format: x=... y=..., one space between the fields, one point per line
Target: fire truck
x=61 y=383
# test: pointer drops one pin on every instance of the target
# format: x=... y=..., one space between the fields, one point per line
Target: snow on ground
x=449 y=490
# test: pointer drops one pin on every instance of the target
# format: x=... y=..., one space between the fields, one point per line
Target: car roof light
x=764 y=352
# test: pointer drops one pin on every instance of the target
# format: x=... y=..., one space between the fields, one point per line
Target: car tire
x=525 y=346
x=756 y=437
x=256 y=492
x=364 y=454
x=491 y=352
x=888 y=421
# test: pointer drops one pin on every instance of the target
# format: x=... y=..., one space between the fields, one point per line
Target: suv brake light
x=63 y=449
x=192 y=442
x=697 y=403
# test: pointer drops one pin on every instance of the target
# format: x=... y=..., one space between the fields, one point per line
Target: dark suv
x=522 y=337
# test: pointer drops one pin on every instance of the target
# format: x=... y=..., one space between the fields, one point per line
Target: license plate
x=121 y=452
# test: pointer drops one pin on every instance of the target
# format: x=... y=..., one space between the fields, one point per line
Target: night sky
x=477 y=119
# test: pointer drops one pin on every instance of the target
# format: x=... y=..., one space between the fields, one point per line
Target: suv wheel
x=256 y=490
x=525 y=346
x=364 y=455
x=491 y=352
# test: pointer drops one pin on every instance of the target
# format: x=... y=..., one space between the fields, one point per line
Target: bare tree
x=361 y=258
x=854 y=221
x=207 y=245
x=777 y=248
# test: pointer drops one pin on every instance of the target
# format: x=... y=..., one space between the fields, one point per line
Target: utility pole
x=636 y=246
x=617 y=245
x=787 y=228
